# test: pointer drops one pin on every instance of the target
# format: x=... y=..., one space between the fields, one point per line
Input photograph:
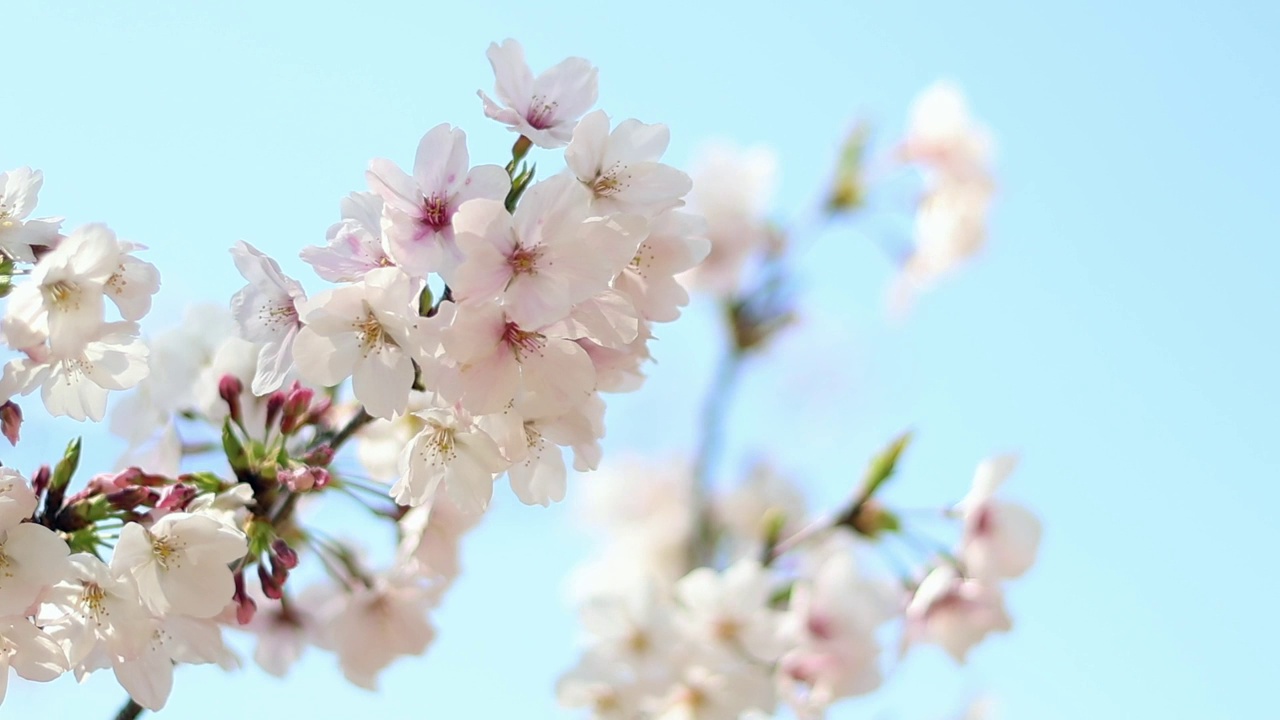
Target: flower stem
x=130 y=711
x=702 y=544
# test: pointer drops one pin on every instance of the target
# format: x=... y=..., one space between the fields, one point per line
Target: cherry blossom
x=180 y=563
x=29 y=651
x=451 y=450
x=955 y=612
x=676 y=242
x=19 y=190
x=267 y=311
x=543 y=109
x=1000 y=538
x=366 y=331
x=76 y=385
x=732 y=189
x=355 y=243
x=621 y=169
x=544 y=259
x=62 y=300
x=417 y=217
x=32 y=557
x=499 y=359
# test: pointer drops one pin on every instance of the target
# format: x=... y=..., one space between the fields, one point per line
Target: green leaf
x=882 y=467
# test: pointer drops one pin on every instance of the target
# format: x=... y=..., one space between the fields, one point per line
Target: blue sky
x=1119 y=332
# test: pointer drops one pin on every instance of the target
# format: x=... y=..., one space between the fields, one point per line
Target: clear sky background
x=1119 y=332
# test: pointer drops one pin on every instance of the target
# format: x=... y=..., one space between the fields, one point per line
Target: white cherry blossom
x=19 y=190
x=32 y=557
x=181 y=563
x=676 y=242
x=76 y=384
x=543 y=109
x=451 y=450
x=31 y=653
x=62 y=300
x=621 y=169
x=267 y=312
x=367 y=331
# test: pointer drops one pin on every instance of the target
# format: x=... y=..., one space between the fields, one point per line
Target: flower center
x=522 y=341
x=541 y=113
x=92 y=597
x=435 y=211
x=164 y=551
x=61 y=294
x=524 y=261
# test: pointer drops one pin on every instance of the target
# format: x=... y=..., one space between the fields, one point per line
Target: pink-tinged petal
x=513 y=81
x=394 y=186
x=652 y=187
x=504 y=115
x=489 y=182
x=441 y=162
x=491 y=383
x=573 y=85
x=535 y=300
x=633 y=141
x=475 y=334
x=483 y=273
x=540 y=478
x=198 y=590
x=585 y=155
x=559 y=377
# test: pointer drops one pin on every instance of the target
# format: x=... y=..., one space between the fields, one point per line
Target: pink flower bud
x=229 y=389
x=40 y=480
x=271 y=585
x=10 y=421
x=275 y=403
x=176 y=497
x=246 y=608
x=320 y=457
x=132 y=497
x=283 y=555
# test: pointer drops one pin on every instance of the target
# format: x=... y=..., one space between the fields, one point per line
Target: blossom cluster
x=954 y=153
x=774 y=623
x=472 y=320
x=478 y=315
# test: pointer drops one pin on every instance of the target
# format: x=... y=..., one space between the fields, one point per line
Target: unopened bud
x=246 y=608
x=10 y=421
x=283 y=555
x=271 y=586
x=40 y=480
x=304 y=478
x=132 y=497
x=320 y=457
x=229 y=389
x=176 y=497
x=275 y=403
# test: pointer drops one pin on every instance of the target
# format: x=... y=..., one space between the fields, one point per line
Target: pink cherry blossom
x=543 y=109
x=417 y=225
